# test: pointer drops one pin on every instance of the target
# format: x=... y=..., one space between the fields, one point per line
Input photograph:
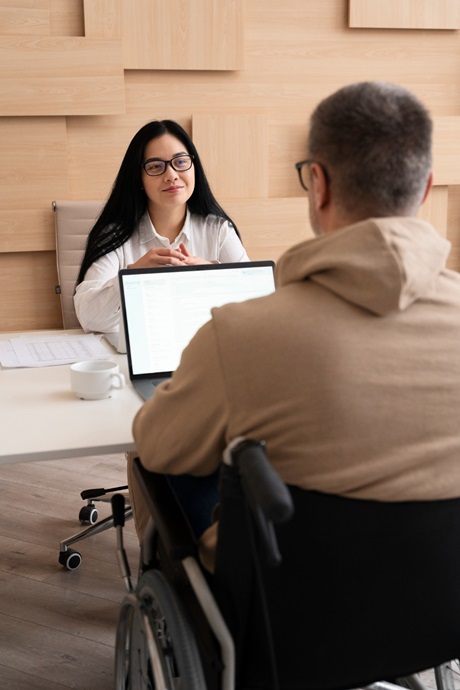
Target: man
x=350 y=371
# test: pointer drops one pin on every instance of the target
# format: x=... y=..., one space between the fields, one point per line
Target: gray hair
x=374 y=141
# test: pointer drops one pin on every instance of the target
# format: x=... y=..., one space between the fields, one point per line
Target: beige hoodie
x=350 y=371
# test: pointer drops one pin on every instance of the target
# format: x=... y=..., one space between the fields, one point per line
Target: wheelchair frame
x=157 y=644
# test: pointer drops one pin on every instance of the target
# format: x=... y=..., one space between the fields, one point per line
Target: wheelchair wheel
x=155 y=645
x=446 y=675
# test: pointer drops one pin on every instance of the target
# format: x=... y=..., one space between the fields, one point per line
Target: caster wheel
x=88 y=515
x=70 y=559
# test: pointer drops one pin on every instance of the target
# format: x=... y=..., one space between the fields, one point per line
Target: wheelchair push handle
x=261 y=483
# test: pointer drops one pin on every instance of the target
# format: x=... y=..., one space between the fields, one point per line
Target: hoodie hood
x=380 y=264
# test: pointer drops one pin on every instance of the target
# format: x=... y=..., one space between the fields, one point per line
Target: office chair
x=310 y=592
x=73 y=221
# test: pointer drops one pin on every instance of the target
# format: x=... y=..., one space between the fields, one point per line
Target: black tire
x=70 y=559
x=155 y=606
x=88 y=515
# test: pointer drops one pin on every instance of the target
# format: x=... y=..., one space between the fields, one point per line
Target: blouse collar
x=147 y=231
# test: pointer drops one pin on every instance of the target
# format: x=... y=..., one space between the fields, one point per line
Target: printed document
x=51 y=350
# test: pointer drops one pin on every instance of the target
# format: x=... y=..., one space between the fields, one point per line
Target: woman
x=161 y=211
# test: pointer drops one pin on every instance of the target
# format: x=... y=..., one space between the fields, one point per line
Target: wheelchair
x=310 y=591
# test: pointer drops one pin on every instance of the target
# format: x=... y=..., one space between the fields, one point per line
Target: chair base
x=72 y=559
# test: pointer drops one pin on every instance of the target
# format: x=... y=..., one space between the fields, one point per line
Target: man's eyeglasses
x=302 y=170
x=179 y=163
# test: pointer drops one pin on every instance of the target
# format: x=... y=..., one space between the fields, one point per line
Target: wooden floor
x=57 y=627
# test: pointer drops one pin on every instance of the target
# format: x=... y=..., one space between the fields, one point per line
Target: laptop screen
x=164 y=307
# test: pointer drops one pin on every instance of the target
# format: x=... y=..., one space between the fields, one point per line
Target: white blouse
x=97 y=298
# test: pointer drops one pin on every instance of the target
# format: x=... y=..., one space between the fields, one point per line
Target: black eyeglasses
x=180 y=163
x=302 y=171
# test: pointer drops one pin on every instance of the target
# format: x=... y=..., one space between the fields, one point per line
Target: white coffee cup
x=95 y=379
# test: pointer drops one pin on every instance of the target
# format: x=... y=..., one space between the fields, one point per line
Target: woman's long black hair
x=127 y=202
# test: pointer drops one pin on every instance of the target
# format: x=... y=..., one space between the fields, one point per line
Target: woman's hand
x=190 y=260
x=161 y=256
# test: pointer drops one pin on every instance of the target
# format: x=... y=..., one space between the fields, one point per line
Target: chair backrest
x=73 y=221
x=361 y=590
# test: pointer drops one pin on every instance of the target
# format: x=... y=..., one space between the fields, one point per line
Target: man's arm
x=181 y=429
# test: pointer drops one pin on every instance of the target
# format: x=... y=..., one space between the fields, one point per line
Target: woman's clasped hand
x=164 y=256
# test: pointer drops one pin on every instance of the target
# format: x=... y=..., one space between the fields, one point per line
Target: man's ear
x=320 y=185
x=429 y=185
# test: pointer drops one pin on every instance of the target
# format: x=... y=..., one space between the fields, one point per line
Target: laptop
x=163 y=308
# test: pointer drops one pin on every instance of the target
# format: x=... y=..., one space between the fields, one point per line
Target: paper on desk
x=51 y=350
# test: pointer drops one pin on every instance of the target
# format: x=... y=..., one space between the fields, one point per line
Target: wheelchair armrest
x=168 y=517
x=262 y=485
x=265 y=493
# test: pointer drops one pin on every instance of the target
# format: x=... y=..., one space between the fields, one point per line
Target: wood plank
x=453 y=225
x=234 y=151
x=68 y=657
x=26 y=231
x=74 y=613
x=66 y=17
x=60 y=76
x=404 y=14
x=33 y=165
x=103 y=18
x=180 y=35
x=16 y=678
x=29 y=301
x=270 y=226
x=435 y=209
x=446 y=150
x=26 y=17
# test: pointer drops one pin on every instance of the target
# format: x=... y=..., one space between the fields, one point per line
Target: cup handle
x=118 y=381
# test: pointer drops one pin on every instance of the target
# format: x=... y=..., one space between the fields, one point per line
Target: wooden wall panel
x=268 y=226
x=446 y=150
x=234 y=152
x=435 y=209
x=27 y=287
x=453 y=224
x=103 y=18
x=180 y=34
x=27 y=231
x=404 y=14
x=60 y=76
x=33 y=164
x=66 y=18
x=27 y=17
x=249 y=118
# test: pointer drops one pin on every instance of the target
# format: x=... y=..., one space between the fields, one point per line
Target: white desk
x=41 y=419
